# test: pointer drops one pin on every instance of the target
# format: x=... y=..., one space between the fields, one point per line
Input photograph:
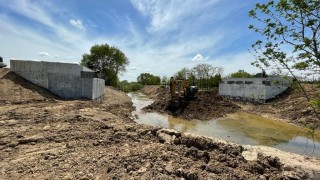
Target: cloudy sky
x=158 y=36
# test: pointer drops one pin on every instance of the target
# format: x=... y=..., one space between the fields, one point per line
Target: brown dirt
x=85 y=140
x=205 y=106
x=16 y=90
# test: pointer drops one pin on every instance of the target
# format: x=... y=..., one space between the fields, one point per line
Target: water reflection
x=182 y=124
x=241 y=128
x=265 y=131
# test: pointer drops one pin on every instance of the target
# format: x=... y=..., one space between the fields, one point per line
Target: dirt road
x=56 y=139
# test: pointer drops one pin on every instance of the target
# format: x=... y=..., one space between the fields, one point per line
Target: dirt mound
x=15 y=90
x=151 y=91
x=206 y=105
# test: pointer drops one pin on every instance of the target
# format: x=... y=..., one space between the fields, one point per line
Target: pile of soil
x=16 y=90
x=205 y=105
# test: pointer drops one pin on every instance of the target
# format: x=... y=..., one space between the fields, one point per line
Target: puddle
x=240 y=128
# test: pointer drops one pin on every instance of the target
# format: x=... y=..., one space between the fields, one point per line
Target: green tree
x=201 y=75
x=291 y=38
x=240 y=74
x=108 y=60
x=148 y=79
x=215 y=80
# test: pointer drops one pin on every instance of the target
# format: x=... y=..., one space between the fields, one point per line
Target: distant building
x=68 y=81
x=253 y=89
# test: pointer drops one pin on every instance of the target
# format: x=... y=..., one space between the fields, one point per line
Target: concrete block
x=258 y=89
x=63 y=79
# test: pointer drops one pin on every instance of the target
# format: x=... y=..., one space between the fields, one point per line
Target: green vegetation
x=202 y=75
x=109 y=61
x=148 y=79
x=240 y=74
x=129 y=86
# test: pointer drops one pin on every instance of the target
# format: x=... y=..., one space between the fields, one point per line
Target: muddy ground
x=205 y=105
x=43 y=137
x=291 y=106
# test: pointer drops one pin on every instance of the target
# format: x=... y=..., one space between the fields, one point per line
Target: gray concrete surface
x=69 y=81
x=253 y=89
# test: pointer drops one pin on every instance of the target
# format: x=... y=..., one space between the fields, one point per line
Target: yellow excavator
x=181 y=94
x=182 y=88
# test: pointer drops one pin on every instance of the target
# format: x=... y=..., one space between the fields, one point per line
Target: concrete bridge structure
x=67 y=80
x=254 y=89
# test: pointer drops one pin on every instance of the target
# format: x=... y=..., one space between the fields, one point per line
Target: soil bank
x=205 y=106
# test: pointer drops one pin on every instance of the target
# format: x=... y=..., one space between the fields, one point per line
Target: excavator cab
x=182 y=88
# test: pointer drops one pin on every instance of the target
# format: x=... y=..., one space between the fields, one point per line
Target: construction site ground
x=44 y=137
x=291 y=107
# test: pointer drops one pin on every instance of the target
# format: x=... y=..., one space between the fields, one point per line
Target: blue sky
x=158 y=36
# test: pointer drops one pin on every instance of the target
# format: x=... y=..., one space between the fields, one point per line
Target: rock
x=167 y=135
x=165 y=138
x=193 y=152
x=262 y=177
x=142 y=170
x=214 y=169
x=118 y=135
x=191 y=176
x=68 y=177
x=169 y=168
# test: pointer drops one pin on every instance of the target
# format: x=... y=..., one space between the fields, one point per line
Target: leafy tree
x=240 y=74
x=292 y=25
x=215 y=80
x=201 y=75
x=291 y=31
x=108 y=60
x=148 y=79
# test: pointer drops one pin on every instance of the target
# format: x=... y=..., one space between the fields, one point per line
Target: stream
x=240 y=128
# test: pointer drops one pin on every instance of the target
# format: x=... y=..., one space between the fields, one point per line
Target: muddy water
x=240 y=128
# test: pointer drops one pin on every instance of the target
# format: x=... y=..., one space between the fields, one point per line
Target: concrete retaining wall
x=62 y=79
x=253 y=89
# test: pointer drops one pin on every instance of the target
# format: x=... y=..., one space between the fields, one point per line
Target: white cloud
x=77 y=23
x=44 y=54
x=59 y=39
x=168 y=15
x=199 y=57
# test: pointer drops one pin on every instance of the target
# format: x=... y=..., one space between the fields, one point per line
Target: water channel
x=240 y=128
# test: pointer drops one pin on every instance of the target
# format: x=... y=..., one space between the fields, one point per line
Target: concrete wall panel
x=258 y=89
x=63 y=79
